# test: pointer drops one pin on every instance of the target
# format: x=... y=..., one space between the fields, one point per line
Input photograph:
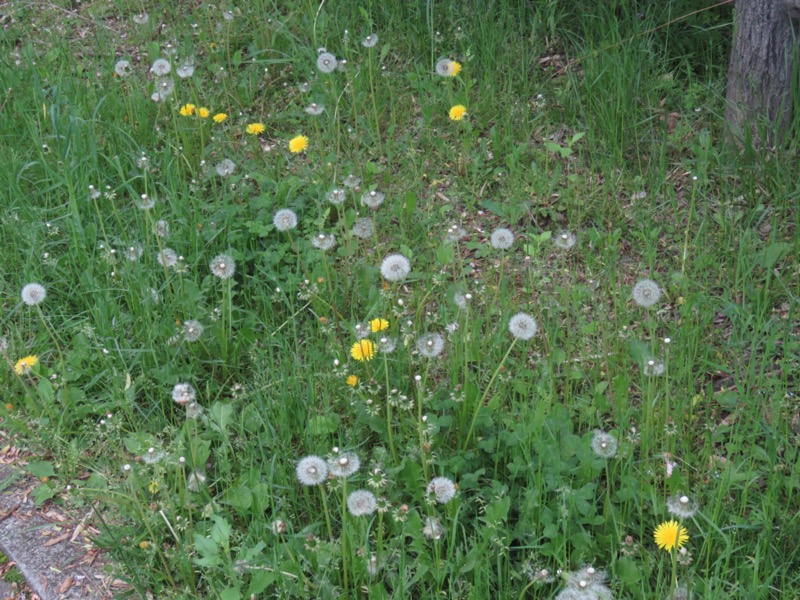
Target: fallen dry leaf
x=66 y=584
x=56 y=540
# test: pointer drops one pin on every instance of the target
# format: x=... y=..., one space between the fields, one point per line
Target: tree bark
x=761 y=70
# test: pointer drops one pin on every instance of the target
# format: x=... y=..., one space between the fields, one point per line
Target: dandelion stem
x=485 y=394
x=389 y=431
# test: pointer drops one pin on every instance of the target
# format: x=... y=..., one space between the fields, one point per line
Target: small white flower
x=33 y=294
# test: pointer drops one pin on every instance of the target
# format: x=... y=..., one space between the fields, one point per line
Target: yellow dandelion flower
x=352 y=380
x=24 y=365
x=203 y=112
x=456 y=68
x=187 y=110
x=153 y=487
x=363 y=350
x=669 y=535
x=457 y=112
x=255 y=128
x=219 y=117
x=298 y=144
x=144 y=545
x=378 y=325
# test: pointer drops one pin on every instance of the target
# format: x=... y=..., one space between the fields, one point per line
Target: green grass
x=580 y=117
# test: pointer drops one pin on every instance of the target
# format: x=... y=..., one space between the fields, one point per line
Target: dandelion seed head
x=433 y=529
x=186 y=69
x=161 y=67
x=565 y=239
x=133 y=252
x=363 y=228
x=351 y=181
x=387 y=344
x=225 y=167
x=312 y=470
x=522 y=326
x=430 y=345
x=192 y=330
x=646 y=292
x=167 y=258
x=336 y=196
x=285 y=219
x=164 y=87
x=222 y=266
x=324 y=241
x=372 y=199
x=361 y=503
x=33 y=294
x=604 y=444
x=443 y=489
x=315 y=109
x=162 y=229
x=447 y=68
x=502 y=238
x=183 y=393
x=141 y=19
x=344 y=465
x=122 y=68
x=654 y=367
x=326 y=62
x=681 y=506
x=370 y=41
x=395 y=267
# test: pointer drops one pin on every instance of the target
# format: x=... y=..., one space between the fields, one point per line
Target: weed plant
x=400 y=299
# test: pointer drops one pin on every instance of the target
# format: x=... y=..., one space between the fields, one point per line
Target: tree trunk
x=761 y=70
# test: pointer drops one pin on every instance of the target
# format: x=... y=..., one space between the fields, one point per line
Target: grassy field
x=468 y=316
